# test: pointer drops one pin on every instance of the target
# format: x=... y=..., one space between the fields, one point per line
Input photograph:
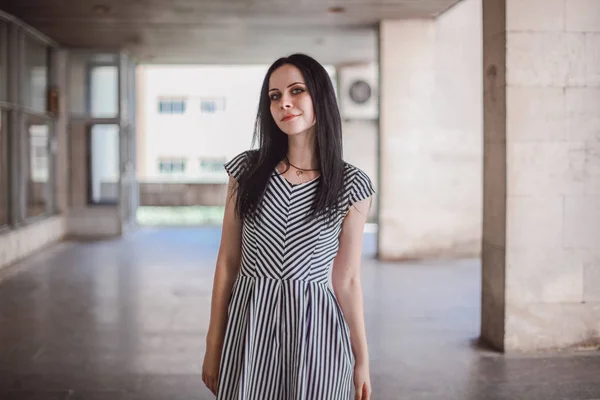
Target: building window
x=211 y=165
x=103 y=91
x=211 y=106
x=4 y=189
x=38 y=182
x=93 y=85
x=36 y=74
x=171 y=106
x=3 y=61
x=103 y=164
x=172 y=166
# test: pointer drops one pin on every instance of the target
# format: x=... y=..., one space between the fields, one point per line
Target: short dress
x=286 y=337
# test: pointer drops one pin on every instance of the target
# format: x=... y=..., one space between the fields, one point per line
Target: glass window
x=4 y=189
x=36 y=74
x=3 y=61
x=93 y=85
x=171 y=166
x=210 y=106
x=212 y=165
x=171 y=106
x=104 y=94
x=104 y=164
x=39 y=168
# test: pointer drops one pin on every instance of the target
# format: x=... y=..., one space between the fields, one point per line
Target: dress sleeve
x=236 y=165
x=361 y=187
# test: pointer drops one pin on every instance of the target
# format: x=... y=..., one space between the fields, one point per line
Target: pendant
x=299 y=172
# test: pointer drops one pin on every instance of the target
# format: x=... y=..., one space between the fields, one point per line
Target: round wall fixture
x=360 y=91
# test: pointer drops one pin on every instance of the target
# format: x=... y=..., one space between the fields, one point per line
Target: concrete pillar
x=59 y=79
x=541 y=224
x=407 y=80
x=431 y=136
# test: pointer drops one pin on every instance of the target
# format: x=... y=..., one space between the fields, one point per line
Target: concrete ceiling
x=222 y=31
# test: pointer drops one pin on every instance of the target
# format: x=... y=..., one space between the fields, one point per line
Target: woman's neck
x=301 y=151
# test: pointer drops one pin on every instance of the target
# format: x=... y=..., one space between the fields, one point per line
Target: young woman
x=287 y=317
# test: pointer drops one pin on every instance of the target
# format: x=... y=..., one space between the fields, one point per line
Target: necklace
x=299 y=171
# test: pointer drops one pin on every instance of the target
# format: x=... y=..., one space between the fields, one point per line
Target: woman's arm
x=346 y=277
x=227 y=268
x=228 y=265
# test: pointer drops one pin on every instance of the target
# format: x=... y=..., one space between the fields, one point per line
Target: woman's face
x=291 y=104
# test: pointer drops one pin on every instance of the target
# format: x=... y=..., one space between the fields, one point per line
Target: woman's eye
x=275 y=96
x=297 y=90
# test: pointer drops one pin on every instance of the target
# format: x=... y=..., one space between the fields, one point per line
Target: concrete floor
x=126 y=319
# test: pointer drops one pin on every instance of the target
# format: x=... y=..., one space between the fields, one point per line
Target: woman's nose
x=285 y=102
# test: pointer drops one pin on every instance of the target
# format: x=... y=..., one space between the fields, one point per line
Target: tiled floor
x=126 y=319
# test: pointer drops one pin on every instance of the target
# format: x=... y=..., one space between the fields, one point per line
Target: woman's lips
x=288 y=118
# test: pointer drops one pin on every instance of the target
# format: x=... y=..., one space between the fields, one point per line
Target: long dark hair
x=273 y=143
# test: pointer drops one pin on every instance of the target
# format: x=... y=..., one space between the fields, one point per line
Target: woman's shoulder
x=357 y=183
x=352 y=172
x=240 y=162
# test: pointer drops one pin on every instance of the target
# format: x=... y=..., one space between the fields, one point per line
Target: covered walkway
x=480 y=130
x=127 y=318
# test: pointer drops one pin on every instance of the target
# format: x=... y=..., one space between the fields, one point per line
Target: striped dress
x=286 y=337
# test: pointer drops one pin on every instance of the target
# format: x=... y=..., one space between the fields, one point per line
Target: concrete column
x=141 y=164
x=407 y=81
x=541 y=228
x=431 y=136
x=59 y=79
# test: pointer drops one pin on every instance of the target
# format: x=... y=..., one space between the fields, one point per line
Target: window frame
x=25 y=114
x=6 y=107
x=88 y=162
x=5 y=168
x=89 y=67
x=27 y=108
x=4 y=64
x=50 y=185
x=17 y=114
